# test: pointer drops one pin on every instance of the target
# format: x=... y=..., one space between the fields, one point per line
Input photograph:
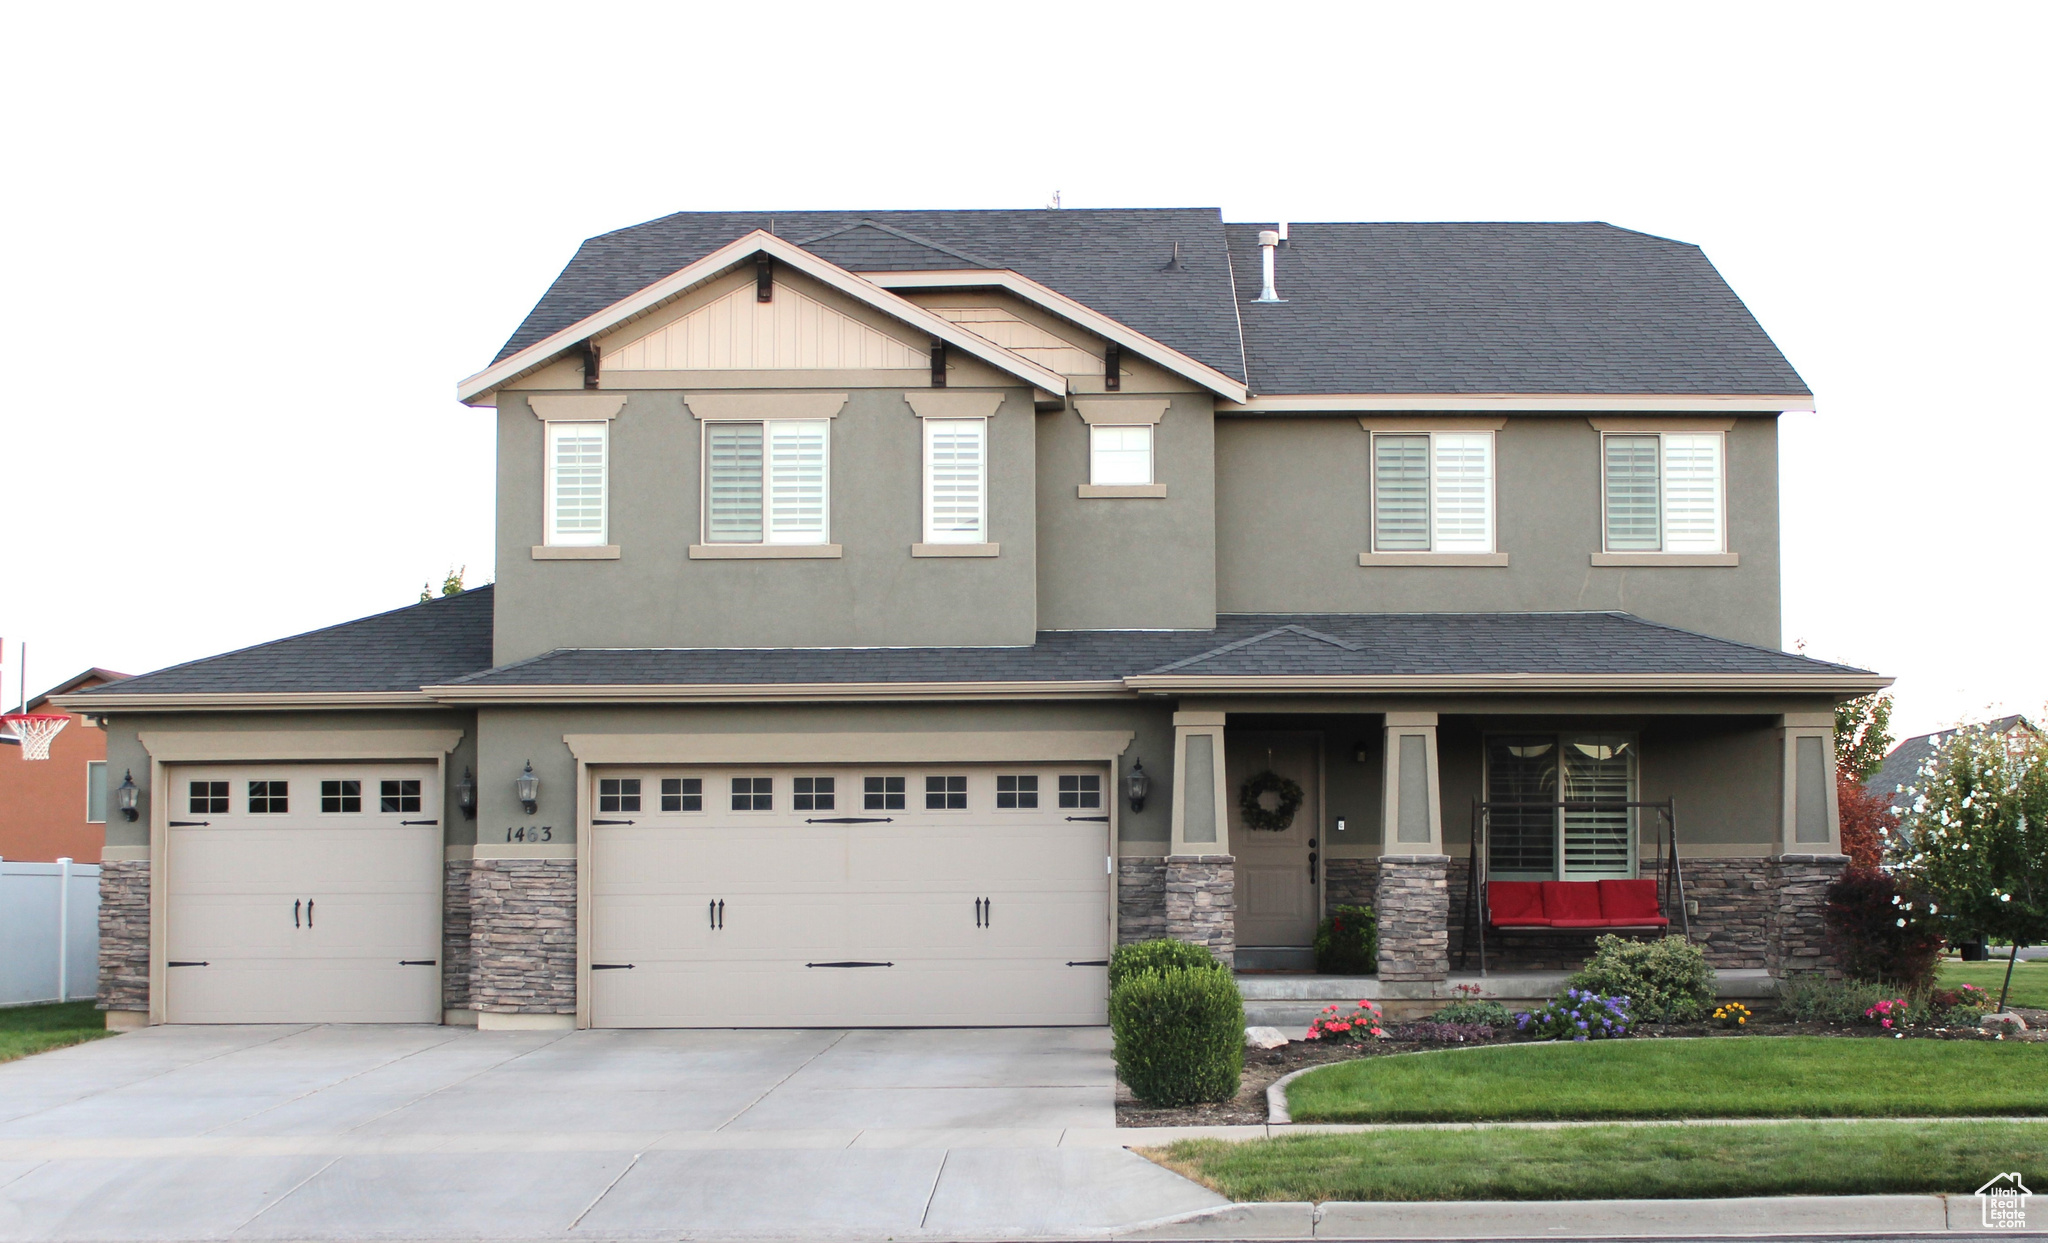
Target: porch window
x=1546 y=842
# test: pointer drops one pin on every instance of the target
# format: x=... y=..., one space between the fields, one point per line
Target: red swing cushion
x=1516 y=902
x=1573 y=904
x=1631 y=904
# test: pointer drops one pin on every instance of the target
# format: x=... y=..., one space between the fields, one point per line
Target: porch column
x=1808 y=857
x=1412 y=900
x=1201 y=873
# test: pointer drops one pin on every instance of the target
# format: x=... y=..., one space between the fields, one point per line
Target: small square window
x=398 y=796
x=815 y=793
x=269 y=797
x=882 y=794
x=209 y=798
x=1080 y=790
x=753 y=794
x=1016 y=792
x=618 y=794
x=945 y=793
x=682 y=794
x=341 y=796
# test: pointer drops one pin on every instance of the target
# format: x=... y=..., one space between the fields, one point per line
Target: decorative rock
x=523 y=936
x=1140 y=899
x=2007 y=1022
x=1413 y=905
x=1797 y=943
x=124 y=935
x=1201 y=902
x=1264 y=1038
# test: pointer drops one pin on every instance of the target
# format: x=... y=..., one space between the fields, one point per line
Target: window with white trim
x=956 y=481
x=768 y=482
x=1663 y=492
x=576 y=464
x=1120 y=454
x=1432 y=492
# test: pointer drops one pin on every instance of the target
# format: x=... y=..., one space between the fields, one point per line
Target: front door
x=1276 y=882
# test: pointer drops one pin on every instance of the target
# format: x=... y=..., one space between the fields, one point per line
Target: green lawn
x=38 y=1029
x=1615 y=1162
x=1741 y=1077
x=2029 y=980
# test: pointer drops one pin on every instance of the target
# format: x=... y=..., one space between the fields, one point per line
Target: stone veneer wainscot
x=1201 y=902
x=523 y=936
x=124 y=935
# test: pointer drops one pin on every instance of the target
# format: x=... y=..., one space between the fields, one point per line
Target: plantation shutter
x=798 y=481
x=732 y=491
x=576 y=468
x=1692 y=493
x=1400 y=493
x=955 y=481
x=1461 y=516
x=1632 y=493
x=1597 y=841
x=1521 y=841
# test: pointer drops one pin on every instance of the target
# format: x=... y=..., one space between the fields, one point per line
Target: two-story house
x=896 y=610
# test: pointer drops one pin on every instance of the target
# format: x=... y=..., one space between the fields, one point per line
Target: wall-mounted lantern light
x=1361 y=755
x=465 y=794
x=125 y=794
x=526 y=787
x=1137 y=785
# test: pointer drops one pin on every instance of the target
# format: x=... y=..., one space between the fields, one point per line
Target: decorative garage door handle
x=417 y=962
x=851 y=820
x=849 y=964
x=1093 y=962
x=715 y=912
x=984 y=912
x=295 y=912
x=188 y=964
x=611 y=966
x=309 y=912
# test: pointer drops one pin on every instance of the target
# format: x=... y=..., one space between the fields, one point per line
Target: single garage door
x=304 y=894
x=884 y=896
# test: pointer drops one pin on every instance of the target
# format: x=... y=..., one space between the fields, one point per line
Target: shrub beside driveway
x=38 y=1029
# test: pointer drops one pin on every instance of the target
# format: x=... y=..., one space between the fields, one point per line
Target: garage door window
x=882 y=794
x=1016 y=792
x=815 y=793
x=341 y=796
x=618 y=794
x=945 y=794
x=753 y=794
x=682 y=794
x=399 y=796
x=209 y=798
x=269 y=797
x=1080 y=790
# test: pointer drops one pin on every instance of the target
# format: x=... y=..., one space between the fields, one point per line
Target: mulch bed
x=1263 y=1066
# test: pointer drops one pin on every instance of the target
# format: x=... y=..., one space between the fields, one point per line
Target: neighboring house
x=855 y=569
x=57 y=808
x=1902 y=764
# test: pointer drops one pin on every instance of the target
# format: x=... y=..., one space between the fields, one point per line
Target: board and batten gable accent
x=793 y=332
x=1002 y=326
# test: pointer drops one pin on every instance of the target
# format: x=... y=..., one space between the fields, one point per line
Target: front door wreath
x=1251 y=802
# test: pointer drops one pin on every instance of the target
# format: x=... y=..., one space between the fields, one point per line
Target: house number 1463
x=531 y=833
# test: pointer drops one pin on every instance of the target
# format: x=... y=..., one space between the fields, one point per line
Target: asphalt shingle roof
x=403 y=650
x=1369 y=307
x=1390 y=644
x=1497 y=308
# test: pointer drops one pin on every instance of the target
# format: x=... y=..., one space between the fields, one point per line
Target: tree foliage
x=1882 y=930
x=1977 y=835
x=1869 y=825
x=1863 y=736
x=450 y=586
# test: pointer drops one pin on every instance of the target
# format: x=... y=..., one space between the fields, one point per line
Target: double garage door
x=304 y=893
x=872 y=896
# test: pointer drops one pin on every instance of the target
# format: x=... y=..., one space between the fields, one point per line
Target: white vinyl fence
x=49 y=931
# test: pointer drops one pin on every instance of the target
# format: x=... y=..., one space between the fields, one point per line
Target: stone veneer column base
x=522 y=923
x=1413 y=905
x=1201 y=902
x=1140 y=899
x=455 y=935
x=124 y=941
x=1797 y=943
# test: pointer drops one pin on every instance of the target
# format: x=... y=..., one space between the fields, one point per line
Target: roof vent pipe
x=1281 y=229
x=1269 y=240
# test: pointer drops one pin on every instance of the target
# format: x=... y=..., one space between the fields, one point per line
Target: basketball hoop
x=35 y=730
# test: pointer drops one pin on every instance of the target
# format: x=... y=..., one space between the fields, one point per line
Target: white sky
x=248 y=250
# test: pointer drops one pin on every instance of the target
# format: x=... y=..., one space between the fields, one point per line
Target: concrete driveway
x=331 y=1132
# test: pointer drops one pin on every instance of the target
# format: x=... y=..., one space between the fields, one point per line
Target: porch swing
x=1573 y=907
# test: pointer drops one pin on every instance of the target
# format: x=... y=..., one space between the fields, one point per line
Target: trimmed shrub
x=1179 y=1035
x=1667 y=980
x=1577 y=1015
x=1491 y=1013
x=1165 y=954
x=1883 y=932
x=1348 y=942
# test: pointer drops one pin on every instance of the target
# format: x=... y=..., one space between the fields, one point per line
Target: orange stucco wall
x=42 y=803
